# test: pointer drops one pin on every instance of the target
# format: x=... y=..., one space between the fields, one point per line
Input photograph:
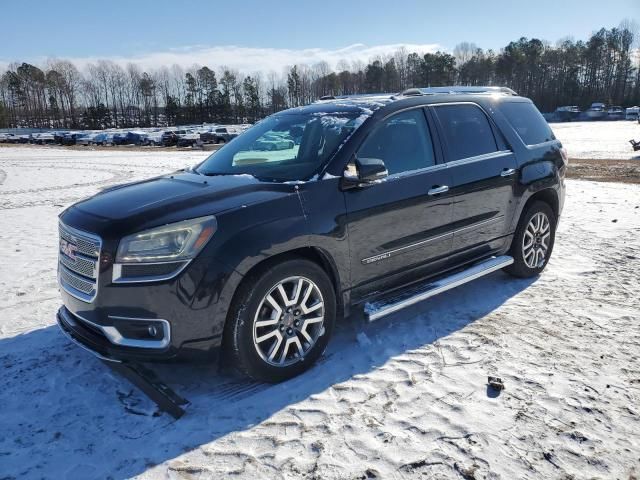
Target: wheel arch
x=546 y=195
x=314 y=254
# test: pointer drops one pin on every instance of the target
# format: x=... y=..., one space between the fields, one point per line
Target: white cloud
x=247 y=59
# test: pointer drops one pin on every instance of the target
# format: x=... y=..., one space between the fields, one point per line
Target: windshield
x=283 y=147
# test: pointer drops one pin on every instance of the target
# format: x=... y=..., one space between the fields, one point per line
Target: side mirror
x=365 y=170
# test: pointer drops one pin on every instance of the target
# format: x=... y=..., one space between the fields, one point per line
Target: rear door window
x=528 y=122
x=402 y=141
x=466 y=131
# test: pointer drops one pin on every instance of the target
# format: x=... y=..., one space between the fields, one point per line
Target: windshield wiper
x=215 y=174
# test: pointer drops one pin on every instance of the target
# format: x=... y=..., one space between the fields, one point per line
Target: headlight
x=176 y=241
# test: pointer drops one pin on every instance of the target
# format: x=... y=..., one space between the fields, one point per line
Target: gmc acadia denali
x=367 y=203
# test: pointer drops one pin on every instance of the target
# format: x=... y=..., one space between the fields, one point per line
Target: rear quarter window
x=528 y=122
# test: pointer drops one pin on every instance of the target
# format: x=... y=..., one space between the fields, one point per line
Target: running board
x=376 y=310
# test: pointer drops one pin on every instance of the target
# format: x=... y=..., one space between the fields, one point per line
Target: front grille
x=85 y=286
x=87 y=245
x=83 y=266
x=78 y=262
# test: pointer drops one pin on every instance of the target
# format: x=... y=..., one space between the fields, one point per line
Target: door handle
x=507 y=172
x=437 y=190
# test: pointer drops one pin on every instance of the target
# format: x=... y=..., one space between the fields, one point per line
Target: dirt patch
x=607 y=170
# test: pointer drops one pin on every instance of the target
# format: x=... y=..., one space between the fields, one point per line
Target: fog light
x=153 y=331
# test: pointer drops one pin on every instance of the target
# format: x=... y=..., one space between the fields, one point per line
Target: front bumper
x=114 y=319
x=86 y=338
x=189 y=312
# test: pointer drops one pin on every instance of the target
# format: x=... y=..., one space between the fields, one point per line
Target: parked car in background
x=71 y=137
x=170 y=137
x=104 y=138
x=44 y=138
x=208 y=135
x=59 y=135
x=87 y=139
x=632 y=113
x=597 y=111
x=567 y=113
x=385 y=202
x=219 y=135
x=188 y=139
x=615 y=113
x=120 y=138
x=154 y=138
x=137 y=137
x=133 y=137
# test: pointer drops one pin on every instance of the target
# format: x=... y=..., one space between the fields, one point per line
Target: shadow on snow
x=65 y=413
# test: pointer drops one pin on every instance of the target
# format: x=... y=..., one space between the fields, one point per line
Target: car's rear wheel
x=533 y=241
x=281 y=321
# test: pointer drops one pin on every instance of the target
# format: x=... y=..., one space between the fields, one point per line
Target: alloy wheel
x=288 y=321
x=535 y=242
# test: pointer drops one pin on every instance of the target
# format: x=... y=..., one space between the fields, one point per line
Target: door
x=402 y=223
x=483 y=171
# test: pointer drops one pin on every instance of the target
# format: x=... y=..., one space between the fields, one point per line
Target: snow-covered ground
x=598 y=140
x=405 y=397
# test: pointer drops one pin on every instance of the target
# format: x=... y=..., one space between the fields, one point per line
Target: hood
x=170 y=195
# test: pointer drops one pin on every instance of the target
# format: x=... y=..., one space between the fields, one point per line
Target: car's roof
x=370 y=103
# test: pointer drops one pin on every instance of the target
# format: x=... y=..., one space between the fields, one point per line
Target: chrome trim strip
x=114 y=335
x=376 y=311
x=479 y=224
x=408 y=173
x=116 y=276
x=479 y=158
x=389 y=253
x=80 y=233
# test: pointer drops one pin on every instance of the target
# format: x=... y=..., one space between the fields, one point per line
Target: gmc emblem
x=69 y=249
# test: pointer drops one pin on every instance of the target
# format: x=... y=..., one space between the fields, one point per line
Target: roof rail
x=358 y=96
x=457 y=90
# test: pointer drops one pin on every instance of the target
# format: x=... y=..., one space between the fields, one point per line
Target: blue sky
x=189 y=31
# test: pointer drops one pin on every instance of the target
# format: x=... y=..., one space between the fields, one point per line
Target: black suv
x=367 y=203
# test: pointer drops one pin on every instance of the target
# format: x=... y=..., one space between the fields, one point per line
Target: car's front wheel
x=281 y=320
x=533 y=241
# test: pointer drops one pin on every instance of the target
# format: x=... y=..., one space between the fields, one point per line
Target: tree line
x=605 y=67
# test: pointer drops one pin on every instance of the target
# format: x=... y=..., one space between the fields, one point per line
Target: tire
x=533 y=242
x=257 y=351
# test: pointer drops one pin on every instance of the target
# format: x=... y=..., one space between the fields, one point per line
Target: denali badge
x=69 y=249
x=376 y=258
